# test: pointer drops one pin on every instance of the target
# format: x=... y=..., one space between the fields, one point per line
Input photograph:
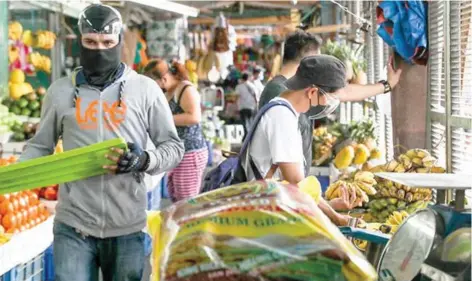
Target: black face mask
x=100 y=66
x=315 y=110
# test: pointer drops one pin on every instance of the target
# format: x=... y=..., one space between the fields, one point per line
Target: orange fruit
x=6 y=207
x=19 y=218
x=9 y=221
x=25 y=215
x=16 y=204
x=3 y=197
x=13 y=230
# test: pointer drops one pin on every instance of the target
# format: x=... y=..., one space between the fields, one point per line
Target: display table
x=26 y=245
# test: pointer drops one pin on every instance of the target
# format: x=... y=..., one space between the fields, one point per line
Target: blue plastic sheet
x=403 y=26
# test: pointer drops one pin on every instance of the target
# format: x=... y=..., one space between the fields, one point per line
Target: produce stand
x=26 y=245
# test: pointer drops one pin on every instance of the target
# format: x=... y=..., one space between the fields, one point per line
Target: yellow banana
x=392 y=165
x=400 y=169
x=421 y=153
x=332 y=188
x=418 y=162
x=411 y=154
x=406 y=161
x=366 y=188
x=429 y=161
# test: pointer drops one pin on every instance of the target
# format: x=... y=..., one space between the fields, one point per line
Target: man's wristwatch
x=387 y=87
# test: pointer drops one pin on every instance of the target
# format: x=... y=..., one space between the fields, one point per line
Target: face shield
x=100 y=19
x=323 y=110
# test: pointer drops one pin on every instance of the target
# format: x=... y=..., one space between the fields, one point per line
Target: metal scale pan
x=434 y=243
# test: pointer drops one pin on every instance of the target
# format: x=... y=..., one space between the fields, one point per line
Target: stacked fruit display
x=17 y=86
x=360 y=182
x=392 y=196
x=7 y=121
x=45 y=39
x=21 y=211
x=24 y=131
x=323 y=143
x=21 y=55
x=40 y=62
x=27 y=104
x=359 y=146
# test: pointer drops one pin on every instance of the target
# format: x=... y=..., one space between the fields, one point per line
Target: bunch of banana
x=40 y=62
x=45 y=39
x=396 y=219
x=381 y=209
x=365 y=181
x=362 y=184
x=324 y=143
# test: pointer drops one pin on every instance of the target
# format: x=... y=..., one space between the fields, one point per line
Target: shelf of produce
x=26 y=245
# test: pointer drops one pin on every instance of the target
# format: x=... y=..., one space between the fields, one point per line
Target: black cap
x=326 y=72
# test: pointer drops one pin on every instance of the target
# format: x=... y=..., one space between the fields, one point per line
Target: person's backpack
x=231 y=171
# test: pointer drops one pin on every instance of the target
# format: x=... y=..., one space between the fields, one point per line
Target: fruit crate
x=32 y=270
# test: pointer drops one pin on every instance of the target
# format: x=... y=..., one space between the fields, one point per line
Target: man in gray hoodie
x=99 y=220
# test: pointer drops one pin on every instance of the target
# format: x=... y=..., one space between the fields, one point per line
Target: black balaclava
x=100 y=66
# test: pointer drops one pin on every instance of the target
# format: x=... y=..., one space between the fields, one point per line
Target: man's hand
x=347 y=201
x=393 y=76
x=131 y=161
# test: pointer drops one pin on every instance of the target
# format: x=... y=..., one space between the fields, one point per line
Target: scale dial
x=409 y=247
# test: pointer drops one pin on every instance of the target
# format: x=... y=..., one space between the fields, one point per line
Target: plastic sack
x=252 y=231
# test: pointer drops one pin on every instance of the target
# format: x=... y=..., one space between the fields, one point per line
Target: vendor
x=99 y=220
x=276 y=148
x=185 y=180
x=302 y=44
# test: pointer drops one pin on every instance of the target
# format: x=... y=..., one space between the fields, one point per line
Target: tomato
x=22 y=203
x=25 y=214
x=4 y=197
x=6 y=207
x=16 y=203
x=42 y=217
x=13 y=230
x=33 y=199
x=33 y=212
x=50 y=193
x=9 y=221
x=19 y=218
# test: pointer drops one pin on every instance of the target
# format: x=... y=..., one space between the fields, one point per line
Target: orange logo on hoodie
x=113 y=115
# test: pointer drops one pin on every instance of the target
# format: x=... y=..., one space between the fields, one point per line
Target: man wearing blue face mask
x=276 y=148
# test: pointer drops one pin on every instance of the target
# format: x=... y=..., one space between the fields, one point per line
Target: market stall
x=410 y=219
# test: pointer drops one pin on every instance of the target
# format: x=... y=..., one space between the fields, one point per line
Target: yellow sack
x=253 y=231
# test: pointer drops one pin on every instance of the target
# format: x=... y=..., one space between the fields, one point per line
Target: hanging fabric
x=403 y=26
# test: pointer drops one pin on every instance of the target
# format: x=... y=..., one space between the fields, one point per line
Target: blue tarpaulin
x=403 y=25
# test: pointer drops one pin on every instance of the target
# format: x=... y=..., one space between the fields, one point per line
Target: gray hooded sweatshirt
x=108 y=205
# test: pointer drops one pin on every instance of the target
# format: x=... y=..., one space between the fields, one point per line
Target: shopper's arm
x=190 y=103
x=47 y=134
x=291 y=172
x=169 y=148
x=354 y=92
x=334 y=216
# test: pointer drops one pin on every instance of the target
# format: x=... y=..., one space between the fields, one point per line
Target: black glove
x=132 y=161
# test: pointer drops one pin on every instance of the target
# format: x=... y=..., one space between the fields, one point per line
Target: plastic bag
x=252 y=231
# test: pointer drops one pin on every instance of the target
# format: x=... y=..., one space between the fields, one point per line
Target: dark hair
x=298 y=44
x=245 y=76
x=157 y=68
x=256 y=70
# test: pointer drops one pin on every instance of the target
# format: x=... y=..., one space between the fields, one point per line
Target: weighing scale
x=433 y=243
